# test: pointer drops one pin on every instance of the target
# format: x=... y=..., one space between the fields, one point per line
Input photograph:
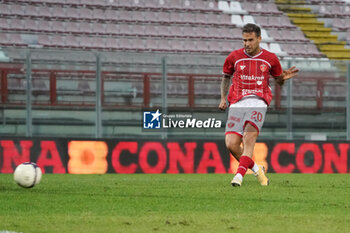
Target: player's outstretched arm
x=225 y=85
x=287 y=74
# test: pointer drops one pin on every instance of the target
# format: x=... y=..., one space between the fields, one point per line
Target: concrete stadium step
x=314 y=29
x=323 y=41
x=320 y=34
x=310 y=28
x=307 y=21
x=339 y=55
x=294 y=9
x=332 y=47
x=291 y=2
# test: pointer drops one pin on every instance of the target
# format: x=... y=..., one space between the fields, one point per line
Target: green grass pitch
x=176 y=203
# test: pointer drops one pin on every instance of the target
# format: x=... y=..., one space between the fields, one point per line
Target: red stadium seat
x=137 y=30
x=98 y=28
x=17 y=10
x=44 y=40
x=44 y=26
x=188 y=31
x=111 y=15
x=31 y=11
x=112 y=29
x=72 y=13
x=124 y=29
x=58 y=26
x=151 y=30
x=58 y=41
x=201 y=32
x=72 y=27
x=5 y=9
x=85 y=42
x=72 y=41
x=16 y=24
x=163 y=31
x=98 y=14
x=98 y=42
x=84 y=28
x=151 y=44
x=175 y=31
x=58 y=12
x=85 y=14
x=44 y=11
x=112 y=43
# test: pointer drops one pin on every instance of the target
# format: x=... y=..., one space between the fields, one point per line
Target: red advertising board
x=173 y=156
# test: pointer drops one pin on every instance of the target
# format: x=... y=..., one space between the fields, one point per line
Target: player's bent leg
x=233 y=143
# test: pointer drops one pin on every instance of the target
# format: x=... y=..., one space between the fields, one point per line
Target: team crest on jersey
x=263 y=67
x=242 y=67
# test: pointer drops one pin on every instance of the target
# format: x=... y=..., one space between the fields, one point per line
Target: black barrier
x=176 y=156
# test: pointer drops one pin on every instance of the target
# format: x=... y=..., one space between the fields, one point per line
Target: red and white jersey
x=251 y=74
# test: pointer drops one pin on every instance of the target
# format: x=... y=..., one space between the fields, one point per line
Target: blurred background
x=89 y=68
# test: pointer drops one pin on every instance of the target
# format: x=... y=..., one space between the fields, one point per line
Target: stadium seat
x=124 y=29
x=83 y=86
x=151 y=30
x=72 y=13
x=232 y=7
x=58 y=41
x=112 y=29
x=84 y=28
x=58 y=12
x=151 y=44
x=17 y=10
x=98 y=43
x=15 y=39
x=98 y=14
x=44 y=11
x=112 y=43
x=137 y=30
x=72 y=27
x=72 y=41
x=175 y=31
x=85 y=42
x=237 y=20
x=58 y=26
x=276 y=48
x=44 y=40
x=15 y=84
x=163 y=31
x=5 y=9
x=39 y=85
x=98 y=28
x=31 y=11
x=201 y=32
x=16 y=24
x=44 y=26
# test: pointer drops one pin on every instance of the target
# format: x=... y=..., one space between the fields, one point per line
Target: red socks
x=244 y=163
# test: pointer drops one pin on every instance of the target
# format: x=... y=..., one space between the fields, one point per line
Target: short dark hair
x=249 y=28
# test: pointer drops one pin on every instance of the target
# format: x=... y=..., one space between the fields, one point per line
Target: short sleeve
x=229 y=66
x=276 y=68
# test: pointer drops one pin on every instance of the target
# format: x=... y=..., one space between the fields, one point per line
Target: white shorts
x=250 y=109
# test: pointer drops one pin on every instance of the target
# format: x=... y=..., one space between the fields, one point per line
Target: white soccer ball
x=27 y=175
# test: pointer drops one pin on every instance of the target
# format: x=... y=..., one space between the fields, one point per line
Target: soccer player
x=248 y=96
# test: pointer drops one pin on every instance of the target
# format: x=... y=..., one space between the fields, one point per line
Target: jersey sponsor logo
x=233 y=118
x=252 y=77
x=248 y=91
x=263 y=67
